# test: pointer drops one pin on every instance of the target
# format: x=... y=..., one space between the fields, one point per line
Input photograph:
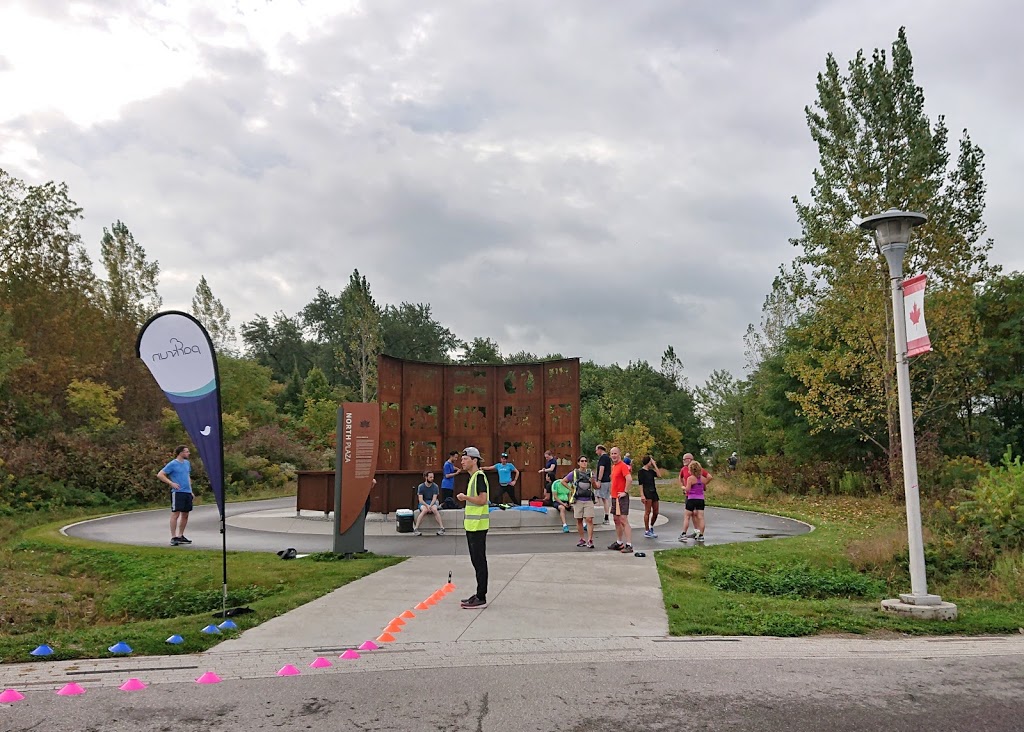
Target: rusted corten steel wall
x=429 y=409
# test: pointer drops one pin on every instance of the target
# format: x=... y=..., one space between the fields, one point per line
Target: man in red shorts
x=621 y=480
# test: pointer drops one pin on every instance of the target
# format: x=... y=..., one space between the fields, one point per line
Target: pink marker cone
x=132 y=685
x=321 y=662
x=208 y=678
x=368 y=646
x=349 y=655
x=288 y=670
x=9 y=696
x=71 y=689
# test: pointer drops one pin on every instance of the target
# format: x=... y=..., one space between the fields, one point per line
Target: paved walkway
x=271 y=526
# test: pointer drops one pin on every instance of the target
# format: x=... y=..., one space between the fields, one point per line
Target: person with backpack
x=581 y=498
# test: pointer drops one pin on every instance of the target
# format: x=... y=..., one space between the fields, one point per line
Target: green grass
x=828 y=581
x=81 y=597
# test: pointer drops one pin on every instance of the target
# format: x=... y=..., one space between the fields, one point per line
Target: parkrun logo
x=177 y=349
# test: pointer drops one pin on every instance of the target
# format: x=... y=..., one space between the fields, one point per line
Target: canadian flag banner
x=913 y=311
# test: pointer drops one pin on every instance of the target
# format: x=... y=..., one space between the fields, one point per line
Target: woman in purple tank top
x=695 y=483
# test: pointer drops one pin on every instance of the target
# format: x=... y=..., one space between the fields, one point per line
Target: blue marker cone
x=120 y=647
x=211 y=630
x=176 y=639
x=43 y=650
x=228 y=625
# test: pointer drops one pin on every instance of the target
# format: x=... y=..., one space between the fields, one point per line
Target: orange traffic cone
x=422 y=606
x=392 y=628
x=385 y=638
x=408 y=615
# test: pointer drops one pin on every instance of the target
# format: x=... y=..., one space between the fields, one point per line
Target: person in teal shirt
x=560 y=500
x=508 y=474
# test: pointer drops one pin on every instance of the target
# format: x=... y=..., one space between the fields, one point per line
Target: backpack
x=584 y=488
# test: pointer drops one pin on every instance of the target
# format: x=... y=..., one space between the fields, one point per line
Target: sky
x=595 y=178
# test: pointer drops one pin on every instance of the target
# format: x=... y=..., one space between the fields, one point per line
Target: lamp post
x=892 y=236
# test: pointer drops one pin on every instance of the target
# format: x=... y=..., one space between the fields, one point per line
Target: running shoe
x=417 y=532
x=615 y=546
x=440 y=532
x=581 y=543
x=474 y=603
x=565 y=528
x=649 y=534
x=700 y=538
x=626 y=549
x=175 y=541
x=653 y=535
x=590 y=545
x=184 y=540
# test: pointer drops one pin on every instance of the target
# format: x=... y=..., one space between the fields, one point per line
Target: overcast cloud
x=596 y=178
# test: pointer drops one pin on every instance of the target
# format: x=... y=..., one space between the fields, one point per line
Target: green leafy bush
x=995 y=505
x=793 y=580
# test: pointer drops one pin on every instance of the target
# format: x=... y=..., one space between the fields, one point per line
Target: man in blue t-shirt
x=177 y=474
x=448 y=479
x=508 y=474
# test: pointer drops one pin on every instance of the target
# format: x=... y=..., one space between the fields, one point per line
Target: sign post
x=355 y=463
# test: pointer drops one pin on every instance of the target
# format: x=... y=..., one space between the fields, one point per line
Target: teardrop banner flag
x=178 y=351
x=913 y=310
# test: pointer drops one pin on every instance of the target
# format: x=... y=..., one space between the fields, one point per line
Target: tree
x=409 y=331
x=634 y=439
x=315 y=387
x=247 y=389
x=279 y=345
x=878 y=149
x=129 y=294
x=482 y=350
x=1000 y=309
x=216 y=318
x=362 y=328
x=95 y=404
x=672 y=369
x=720 y=403
x=522 y=357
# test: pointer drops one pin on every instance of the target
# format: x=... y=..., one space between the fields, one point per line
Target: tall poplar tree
x=878 y=150
x=129 y=293
x=216 y=318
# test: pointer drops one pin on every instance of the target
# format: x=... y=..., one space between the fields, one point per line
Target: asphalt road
x=150 y=528
x=973 y=694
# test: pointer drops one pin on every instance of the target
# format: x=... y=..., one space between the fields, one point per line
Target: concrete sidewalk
x=529 y=596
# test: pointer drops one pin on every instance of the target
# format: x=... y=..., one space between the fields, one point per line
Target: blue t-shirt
x=427 y=492
x=448 y=482
x=504 y=472
x=178 y=471
x=549 y=475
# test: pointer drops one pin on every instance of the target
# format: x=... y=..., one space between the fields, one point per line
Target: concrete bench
x=511 y=518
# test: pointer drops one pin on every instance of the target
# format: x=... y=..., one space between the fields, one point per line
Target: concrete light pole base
x=925 y=607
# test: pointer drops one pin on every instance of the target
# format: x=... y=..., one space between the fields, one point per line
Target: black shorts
x=694 y=504
x=181 y=502
x=651 y=495
x=620 y=504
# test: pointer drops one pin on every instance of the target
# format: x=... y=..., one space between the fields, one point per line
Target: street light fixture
x=892 y=236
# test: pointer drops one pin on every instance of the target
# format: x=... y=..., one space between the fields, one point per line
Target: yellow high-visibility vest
x=478 y=518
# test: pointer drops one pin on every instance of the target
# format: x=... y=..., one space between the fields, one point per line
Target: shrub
x=794 y=580
x=995 y=505
x=277 y=446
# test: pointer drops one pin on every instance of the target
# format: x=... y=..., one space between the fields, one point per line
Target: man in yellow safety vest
x=477 y=522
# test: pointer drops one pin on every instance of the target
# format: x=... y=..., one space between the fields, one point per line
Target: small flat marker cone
x=430 y=601
x=9 y=696
x=132 y=685
x=385 y=638
x=392 y=628
x=71 y=689
x=175 y=640
x=368 y=646
x=408 y=615
x=422 y=606
x=288 y=670
x=321 y=662
x=211 y=630
x=228 y=625
x=398 y=621
x=351 y=655
x=43 y=650
x=120 y=647
x=449 y=587
x=208 y=678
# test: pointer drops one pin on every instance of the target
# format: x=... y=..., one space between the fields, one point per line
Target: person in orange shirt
x=621 y=480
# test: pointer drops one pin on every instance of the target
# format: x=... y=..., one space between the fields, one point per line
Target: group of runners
x=585 y=493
